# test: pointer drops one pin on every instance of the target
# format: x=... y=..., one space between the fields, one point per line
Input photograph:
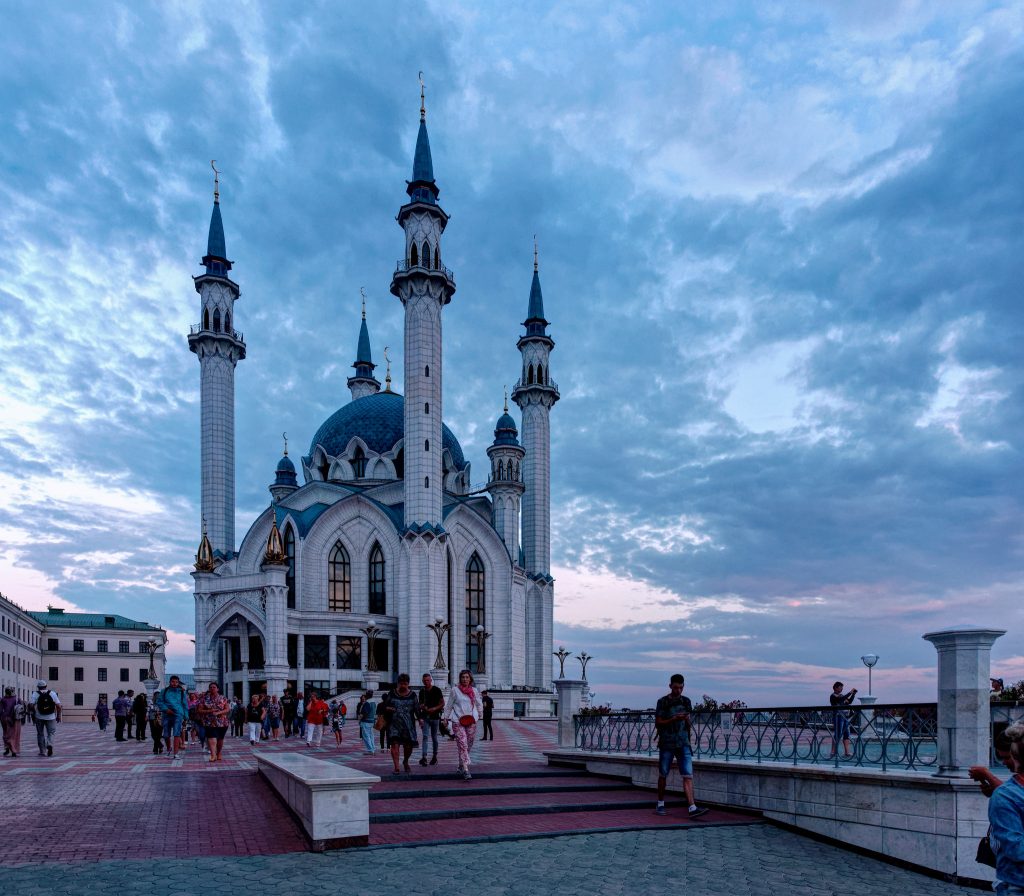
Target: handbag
x=985 y=855
x=467 y=721
x=379 y=724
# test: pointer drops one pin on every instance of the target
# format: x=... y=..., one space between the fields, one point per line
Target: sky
x=781 y=247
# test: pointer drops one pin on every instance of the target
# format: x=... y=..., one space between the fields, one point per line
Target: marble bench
x=330 y=801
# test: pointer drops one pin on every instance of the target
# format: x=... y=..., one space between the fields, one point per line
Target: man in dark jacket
x=288 y=712
x=139 y=711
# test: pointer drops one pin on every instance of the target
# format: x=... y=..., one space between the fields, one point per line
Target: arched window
x=414 y=256
x=289 y=552
x=437 y=258
x=227 y=322
x=216 y=320
x=426 y=370
x=426 y=407
x=378 y=583
x=426 y=444
x=541 y=374
x=399 y=463
x=359 y=463
x=339 y=580
x=475 y=596
x=325 y=469
x=426 y=254
x=426 y=482
x=529 y=375
x=206 y=318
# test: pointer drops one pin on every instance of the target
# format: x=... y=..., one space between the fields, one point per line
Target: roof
x=423 y=164
x=59 y=619
x=505 y=432
x=215 y=245
x=363 y=351
x=379 y=420
x=536 y=310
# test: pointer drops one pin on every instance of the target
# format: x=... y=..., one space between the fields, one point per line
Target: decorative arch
x=529 y=375
x=437 y=258
x=377 y=593
x=216 y=320
x=206 y=318
x=426 y=254
x=289 y=552
x=227 y=322
x=359 y=463
x=414 y=256
x=339 y=580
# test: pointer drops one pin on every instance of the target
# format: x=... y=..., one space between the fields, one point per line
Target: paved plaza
x=101 y=816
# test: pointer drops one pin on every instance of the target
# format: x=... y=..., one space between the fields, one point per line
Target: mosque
x=385 y=559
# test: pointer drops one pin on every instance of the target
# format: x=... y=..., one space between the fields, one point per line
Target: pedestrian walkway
x=748 y=860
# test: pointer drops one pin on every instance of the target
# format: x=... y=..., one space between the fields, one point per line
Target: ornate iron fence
x=889 y=736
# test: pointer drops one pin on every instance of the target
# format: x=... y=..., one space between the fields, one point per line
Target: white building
x=337 y=583
x=20 y=646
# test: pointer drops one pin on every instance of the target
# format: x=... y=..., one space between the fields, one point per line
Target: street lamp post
x=584 y=658
x=562 y=655
x=371 y=631
x=481 y=643
x=439 y=627
x=870 y=660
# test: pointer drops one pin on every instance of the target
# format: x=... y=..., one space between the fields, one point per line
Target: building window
x=426 y=482
x=426 y=370
x=293 y=651
x=289 y=552
x=358 y=463
x=52 y=644
x=143 y=647
x=125 y=675
x=123 y=647
x=53 y=676
x=339 y=580
x=317 y=652
x=142 y=674
x=101 y=646
x=78 y=646
x=79 y=699
x=79 y=673
x=349 y=653
x=475 y=585
x=426 y=407
x=426 y=444
x=101 y=674
x=378 y=584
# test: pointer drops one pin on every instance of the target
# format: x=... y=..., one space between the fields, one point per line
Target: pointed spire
x=275 y=555
x=204 y=556
x=536 y=309
x=216 y=258
x=363 y=356
x=422 y=187
x=423 y=99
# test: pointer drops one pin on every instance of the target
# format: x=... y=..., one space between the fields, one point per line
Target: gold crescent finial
x=423 y=99
x=506 y=398
x=284 y=436
x=387 y=378
x=535 y=252
x=362 y=292
x=216 y=181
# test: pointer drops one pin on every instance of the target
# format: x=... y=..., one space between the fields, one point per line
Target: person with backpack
x=46 y=709
x=173 y=703
x=12 y=719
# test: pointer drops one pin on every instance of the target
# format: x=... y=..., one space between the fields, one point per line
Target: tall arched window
x=289 y=552
x=426 y=254
x=529 y=375
x=227 y=322
x=339 y=580
x=414 y=255
x=378 y=585
x=437 y=258
x=475 y=586
x=216 y=320
x=359 y=463
x=206 y=318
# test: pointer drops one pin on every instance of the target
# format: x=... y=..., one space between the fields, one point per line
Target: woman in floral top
x=212 y=710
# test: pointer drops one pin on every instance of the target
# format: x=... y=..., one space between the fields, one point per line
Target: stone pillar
x=300 y=664
x=963 y=697
x=570 y=698
x=245 y=681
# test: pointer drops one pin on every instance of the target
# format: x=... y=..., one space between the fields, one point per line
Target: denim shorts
x=172 y=725
x=684 y=759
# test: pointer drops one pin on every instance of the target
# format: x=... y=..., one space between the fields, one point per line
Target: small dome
x=505 y=431
x=285 y=465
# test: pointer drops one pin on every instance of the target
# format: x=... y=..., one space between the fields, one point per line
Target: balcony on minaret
x=408 y=267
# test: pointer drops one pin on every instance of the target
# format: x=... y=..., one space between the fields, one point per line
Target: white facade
x=20 y=646
x=384 y=532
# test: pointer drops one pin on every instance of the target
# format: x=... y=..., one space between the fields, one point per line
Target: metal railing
x=196 y=329
x=403 y=266
x=882 y=737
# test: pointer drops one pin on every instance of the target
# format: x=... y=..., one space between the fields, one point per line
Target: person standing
x=672 y=721
x=300 y=715
x=130 y=717
x=237 y=718
x=337 y=721
x=288 y=712
x=462 y=712
x=139 y=711
x=431 y=707
x=12 y=719
x=254 y=713
x=121 y=708
x=46 y=709
x=316 y=715
x=488 y=705
x=173 y=704
x=213 y=709
x=274 y=717
x=156 y=726
x=101 y=714
x=367 y=715
x=1006 y=819
x=841 y=720
x=401 y=710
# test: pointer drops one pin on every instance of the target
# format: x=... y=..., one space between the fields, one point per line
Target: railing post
x=570 y=698
x=963 y=697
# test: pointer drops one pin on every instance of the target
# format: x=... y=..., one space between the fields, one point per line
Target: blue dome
x=505 y=431
x=285 y=465
x=379 y=420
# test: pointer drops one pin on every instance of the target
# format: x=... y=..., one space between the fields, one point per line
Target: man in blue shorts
x=173 y=703
x=672 y=720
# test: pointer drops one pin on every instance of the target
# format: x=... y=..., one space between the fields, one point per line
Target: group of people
x=43 y=710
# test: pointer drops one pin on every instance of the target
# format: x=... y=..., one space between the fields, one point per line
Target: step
x=485 y=790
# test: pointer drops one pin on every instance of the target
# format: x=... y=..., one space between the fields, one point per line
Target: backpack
x=19 y=712
x=45 y=704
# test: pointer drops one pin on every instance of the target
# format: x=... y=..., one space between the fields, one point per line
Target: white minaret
x=424 y=286
x=505 y=484
x=536 y=393
x=219 y=348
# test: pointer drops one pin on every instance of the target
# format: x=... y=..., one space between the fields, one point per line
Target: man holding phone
x=672 y=721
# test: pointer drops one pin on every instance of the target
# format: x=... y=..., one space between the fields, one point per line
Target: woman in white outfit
x=462 y=712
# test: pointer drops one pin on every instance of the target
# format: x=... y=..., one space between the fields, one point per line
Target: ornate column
x=570 y=699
